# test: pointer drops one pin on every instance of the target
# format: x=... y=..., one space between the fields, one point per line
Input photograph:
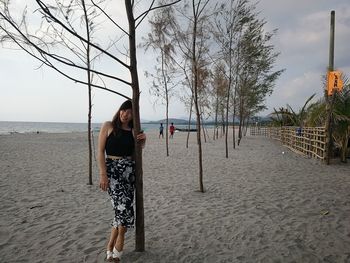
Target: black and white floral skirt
x=121 y=175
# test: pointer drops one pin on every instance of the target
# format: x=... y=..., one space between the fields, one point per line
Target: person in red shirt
x=172 y=130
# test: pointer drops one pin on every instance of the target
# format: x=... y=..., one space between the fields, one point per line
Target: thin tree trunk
x=239 y=132
x=140 y=227
x=344 y=148
x=89 y=128
x=233 y=123
x=236 y=89
x=167 y=105
x=88 y=64
x=223 y=125
x=234 y=107
x=167 y=132
x=201 y=187
x=195 y=87
x=233 y=131
x=240 y=119
x=245 y=125
x=226 y=121
x=189 y=123
x=228 y=95
x=204 y=132
x=217 y=131
x=216 y=115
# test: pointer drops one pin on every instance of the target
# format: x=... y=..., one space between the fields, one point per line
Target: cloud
x=295 y=91
x=302 y=86
x=302 y=39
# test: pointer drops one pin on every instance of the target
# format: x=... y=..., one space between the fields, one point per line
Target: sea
x=11 y=127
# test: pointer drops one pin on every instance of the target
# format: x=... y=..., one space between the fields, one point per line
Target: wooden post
x=329 y=99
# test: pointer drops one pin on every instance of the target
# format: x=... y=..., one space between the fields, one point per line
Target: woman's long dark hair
x=116 y=123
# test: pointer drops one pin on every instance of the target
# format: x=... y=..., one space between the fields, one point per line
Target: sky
x=29 y=92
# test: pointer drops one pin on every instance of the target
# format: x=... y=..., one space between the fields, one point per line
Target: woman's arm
x=102 y=138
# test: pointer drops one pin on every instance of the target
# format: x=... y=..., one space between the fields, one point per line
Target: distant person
x=161 y=129
x=117 y=173
x=172 y=130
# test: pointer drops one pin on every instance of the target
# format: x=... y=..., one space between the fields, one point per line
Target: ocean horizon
x=12 y=127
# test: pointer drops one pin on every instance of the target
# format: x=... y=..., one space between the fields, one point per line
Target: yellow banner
x=334 y=82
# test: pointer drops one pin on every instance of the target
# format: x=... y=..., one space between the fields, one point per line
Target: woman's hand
x=104 y=182
x=141 y=138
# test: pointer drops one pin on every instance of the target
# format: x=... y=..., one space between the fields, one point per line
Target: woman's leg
x=119 y=244
x=112 y=239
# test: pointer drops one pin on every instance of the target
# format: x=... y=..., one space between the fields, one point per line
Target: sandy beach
x=259 y=205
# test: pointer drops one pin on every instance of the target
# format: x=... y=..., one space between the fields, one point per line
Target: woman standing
x=117 y=173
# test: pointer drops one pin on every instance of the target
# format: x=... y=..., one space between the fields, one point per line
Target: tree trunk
x=140 y=231
x=344 y=148
x=167 y=132
x=204 y=133
x=199 y=142
x=233 y=131
x=195 y=87
x=90 y=135
x=236 y=89
x=223 y=127
x=228 y=95
x=226 y=121
x=240 y=117
x=245 y=125
x=239 y=132
x=234 y=107
x=203 y=128
x=189 y=123
x=240 y=129
x=166 y=105
x=88 y=64
x=216 y=116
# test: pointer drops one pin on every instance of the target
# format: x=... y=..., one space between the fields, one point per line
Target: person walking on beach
x=117 y=173
x=172 y=130
x=161 y=128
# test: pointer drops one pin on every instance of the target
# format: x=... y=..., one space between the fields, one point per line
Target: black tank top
x=121 y=144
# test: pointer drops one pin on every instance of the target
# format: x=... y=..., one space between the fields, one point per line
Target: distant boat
x=185 y=129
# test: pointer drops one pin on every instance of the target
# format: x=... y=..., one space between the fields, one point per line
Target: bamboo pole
x=329 y=100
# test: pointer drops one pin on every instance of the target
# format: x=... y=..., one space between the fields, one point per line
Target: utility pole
x=329 y=99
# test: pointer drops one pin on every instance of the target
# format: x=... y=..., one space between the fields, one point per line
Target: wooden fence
x=309 y=141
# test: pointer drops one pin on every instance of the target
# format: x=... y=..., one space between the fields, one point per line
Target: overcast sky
x=32 y=94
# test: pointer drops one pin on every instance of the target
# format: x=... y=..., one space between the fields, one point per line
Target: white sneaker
x=116 y=254
x=109 y=255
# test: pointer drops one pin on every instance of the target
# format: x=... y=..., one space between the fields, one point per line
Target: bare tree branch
x=110 y=18
x=47 y=12
x=56 y=57
x=144 y=14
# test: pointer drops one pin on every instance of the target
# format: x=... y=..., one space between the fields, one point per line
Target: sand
x=259 y=205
